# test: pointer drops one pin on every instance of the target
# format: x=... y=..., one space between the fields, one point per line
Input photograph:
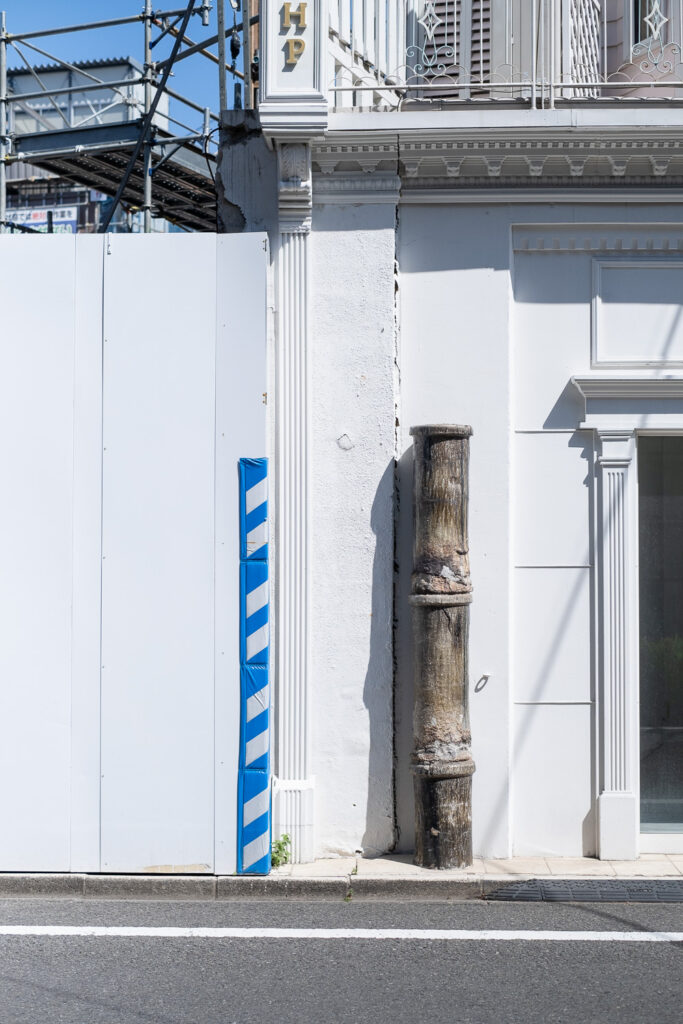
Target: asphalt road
x=158 y=979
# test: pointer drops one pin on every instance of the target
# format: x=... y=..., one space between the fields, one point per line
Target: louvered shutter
x=480 y=62
x=459 y=52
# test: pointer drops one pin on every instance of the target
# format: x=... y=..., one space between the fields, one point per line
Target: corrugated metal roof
x=102 y=62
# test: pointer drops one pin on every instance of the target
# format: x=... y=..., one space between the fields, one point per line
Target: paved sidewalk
x=390 y=877
x=396 y=875
x=393 y=866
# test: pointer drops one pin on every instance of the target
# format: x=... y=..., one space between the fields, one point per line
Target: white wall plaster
x=352 y=479
x=489 y=337
x=455 y=297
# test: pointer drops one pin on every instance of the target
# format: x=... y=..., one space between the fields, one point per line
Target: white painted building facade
x=495 y=239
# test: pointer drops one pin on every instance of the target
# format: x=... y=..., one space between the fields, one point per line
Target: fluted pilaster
x=293 y=787
x=617 y=805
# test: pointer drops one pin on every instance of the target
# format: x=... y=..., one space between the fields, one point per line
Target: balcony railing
x=389 y=53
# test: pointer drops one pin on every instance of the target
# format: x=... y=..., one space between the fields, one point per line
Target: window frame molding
x=617 y=409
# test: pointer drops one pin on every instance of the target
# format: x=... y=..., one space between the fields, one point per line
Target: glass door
x=660 y=480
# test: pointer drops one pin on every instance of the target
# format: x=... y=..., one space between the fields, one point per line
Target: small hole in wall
x=345 y=442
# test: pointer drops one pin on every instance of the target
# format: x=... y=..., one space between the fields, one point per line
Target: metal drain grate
x=607 y=890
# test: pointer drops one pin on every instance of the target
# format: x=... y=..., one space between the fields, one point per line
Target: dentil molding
x=598 y=238
x=500 y=158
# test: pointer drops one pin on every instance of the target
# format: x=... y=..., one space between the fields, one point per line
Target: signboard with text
x=294 y=100
x=64 y=218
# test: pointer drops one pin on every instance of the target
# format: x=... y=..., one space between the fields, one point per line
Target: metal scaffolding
x=157 y=163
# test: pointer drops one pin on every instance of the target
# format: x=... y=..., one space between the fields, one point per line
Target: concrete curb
x=194 y=887
x=417 y=888
x=41 y=885
x=239 y=887
x=150 y=886
x=266 y=887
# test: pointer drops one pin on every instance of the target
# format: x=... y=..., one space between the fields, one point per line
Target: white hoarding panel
x=36 y=468
x=158 y=554
x=241 y=307
x=132 y=380
x=87 y=555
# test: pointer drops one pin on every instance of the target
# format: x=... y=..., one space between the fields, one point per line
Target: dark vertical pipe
x=441 y=594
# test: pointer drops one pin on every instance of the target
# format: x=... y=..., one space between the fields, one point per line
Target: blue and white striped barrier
x=254 y=509
x=254 y=737
x=253 y=830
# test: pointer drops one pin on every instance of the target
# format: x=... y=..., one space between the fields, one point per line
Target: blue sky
x=195 y=77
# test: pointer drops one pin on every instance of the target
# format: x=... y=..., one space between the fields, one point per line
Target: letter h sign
x=294 y=47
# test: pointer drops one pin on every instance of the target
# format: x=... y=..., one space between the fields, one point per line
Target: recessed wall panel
x=551 y=338
x=638 y=313
x=552 y=634
x=552 y=757
x=552 y=499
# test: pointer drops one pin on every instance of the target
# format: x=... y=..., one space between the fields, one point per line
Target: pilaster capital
x=616 y=447
x=295 y=189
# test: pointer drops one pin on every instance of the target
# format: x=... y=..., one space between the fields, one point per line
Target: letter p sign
x=294 y=49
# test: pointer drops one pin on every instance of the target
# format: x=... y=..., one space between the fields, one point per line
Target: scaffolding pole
x=147 y=74
x=246 y=19
x=3 y=122
x=147 y=123
x=222 y=85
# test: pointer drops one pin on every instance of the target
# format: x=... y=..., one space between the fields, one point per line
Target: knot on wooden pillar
x=431 y=763
x=442 y=763
x=441 y=558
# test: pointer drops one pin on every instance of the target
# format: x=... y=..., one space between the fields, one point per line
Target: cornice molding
x=443 y=193
x=618 y=406
x=513 y=157
x=628 y=387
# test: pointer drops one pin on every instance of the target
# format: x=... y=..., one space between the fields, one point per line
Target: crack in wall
x=396 y=511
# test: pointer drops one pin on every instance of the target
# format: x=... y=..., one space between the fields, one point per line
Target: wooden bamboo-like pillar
x=441 y=594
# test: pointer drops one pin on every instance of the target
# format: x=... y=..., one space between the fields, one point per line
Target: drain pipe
x=442 y=762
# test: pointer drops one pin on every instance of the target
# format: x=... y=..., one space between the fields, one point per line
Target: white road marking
x=391 y=934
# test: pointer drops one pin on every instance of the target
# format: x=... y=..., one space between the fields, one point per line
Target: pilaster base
x=617 y=826
x=293 y=815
